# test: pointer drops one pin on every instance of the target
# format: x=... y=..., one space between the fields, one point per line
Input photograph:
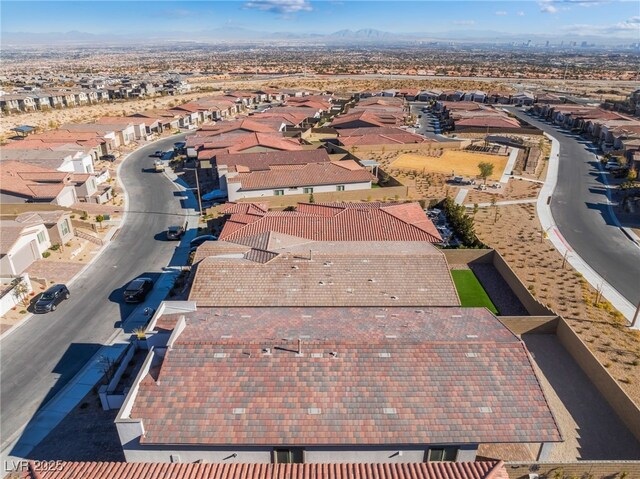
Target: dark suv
x=175 y=232
x=51 y=298
x=137 y=290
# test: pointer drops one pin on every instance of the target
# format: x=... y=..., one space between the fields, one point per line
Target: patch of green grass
x=471 y=292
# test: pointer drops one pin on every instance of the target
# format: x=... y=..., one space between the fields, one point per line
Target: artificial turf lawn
x=471 y=292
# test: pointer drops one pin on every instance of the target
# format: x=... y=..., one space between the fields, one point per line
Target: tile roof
x=312 y=174
x=372 y=376
x=263 y=160
x=10 y=231
x=489 y=122
x=336 y=222
x=238 y=142
x=31 y=180
x=137 y=470
x=46 y=217
x=321 y=273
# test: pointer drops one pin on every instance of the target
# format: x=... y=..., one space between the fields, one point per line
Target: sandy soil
x=461 y=162
x=516 y=189
x=515 y=232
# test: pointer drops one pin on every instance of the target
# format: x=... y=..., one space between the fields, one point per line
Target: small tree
x=486 y=170
x=21 y=290
x=311 y=198
x=99 y=220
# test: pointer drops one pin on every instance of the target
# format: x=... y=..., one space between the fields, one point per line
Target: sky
x=555 y=17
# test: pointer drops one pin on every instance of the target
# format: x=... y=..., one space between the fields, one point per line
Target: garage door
x=23 y=258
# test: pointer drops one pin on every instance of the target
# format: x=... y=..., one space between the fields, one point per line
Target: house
x=346 y=175
x=21 y=244
x=55 y=159
x=476 y=96
x=523 y=98
x=130 y=128
x=378 y=136
x=366 y=119
x=238 y=142
x=429 y=95
x=339 y=273
x=57 y=222
x=230 y=165
x=332 y=222
x=423 y=470
x=24 y=183
x=88 y=190
x=326 y=385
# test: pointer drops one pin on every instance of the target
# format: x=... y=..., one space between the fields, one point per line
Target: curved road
x=40 y=357
x=580 y=209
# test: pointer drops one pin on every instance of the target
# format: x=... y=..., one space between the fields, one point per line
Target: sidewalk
x=508 y=169
x=54 y=411
x=549 y=226
x=502 y=203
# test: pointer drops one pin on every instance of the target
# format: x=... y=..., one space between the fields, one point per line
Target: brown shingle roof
x=133 y=470
x=336 y=222
x=344 y=376
x=31 y=180
x=339 y=273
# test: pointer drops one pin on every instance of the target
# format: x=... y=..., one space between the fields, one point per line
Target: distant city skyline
x=561 y=18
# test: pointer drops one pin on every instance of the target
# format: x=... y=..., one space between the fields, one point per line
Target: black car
x=51 y=298
x=110 y=158
x=157 y=154
x=175 y=232
x=137 y=290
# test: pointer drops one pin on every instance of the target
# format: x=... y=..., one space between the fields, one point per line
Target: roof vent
x=485 y=409
x=371 y=280
x=384 y=355
x=350 y=290
x=314 y=410
x=219 y=355
x=381 y=315
x=294 y=267
x=334 y=354
x=472 y=336
x=226 y=336
x=391 y=336
x=456 y=315
x=238 y=410
x=266 y=350
x=321 y=283
x=327 y=263
x=420 y=311
x=471 y=355
x=316 y=355
x=389 y=410
x=395 y=298
x=245 y=316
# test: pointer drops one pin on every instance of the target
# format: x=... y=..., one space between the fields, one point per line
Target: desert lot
x=451 y=161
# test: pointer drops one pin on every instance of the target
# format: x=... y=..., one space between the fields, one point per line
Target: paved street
x=579 y=207
x=45 y=353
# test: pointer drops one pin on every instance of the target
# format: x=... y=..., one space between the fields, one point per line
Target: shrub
x=46 y=254
x=55 y=247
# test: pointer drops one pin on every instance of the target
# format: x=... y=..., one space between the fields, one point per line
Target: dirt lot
x=461 y=162
x=515 y=232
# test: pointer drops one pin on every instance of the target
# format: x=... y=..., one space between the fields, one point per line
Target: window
x=442 y=454
x=288 y=456
x=64 y=227
x=340 y=188
x=41 y=237
x=307 y=191
x=278 y=192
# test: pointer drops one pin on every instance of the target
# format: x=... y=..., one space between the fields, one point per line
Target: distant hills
x=232 y=34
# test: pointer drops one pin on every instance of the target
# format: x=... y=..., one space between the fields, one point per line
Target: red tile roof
x=337 y=222
x=237 y=143
x=134 y=470
x=489 y=121
x=264 y=160
x=344 y=376
x=295 y=176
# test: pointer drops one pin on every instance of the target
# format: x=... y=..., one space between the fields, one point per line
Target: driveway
x=580 y=209
x=41 y=356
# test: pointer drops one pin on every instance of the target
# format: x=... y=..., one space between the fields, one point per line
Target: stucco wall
x=621 y=403
x=581 y=469
x=235 y=195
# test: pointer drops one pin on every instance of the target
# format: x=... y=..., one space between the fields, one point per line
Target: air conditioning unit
x=533 y=475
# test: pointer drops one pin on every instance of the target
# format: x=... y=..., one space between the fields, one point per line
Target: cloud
x=547 y=7
x=282 y=7
x=501 y=13
x=464 y=22
x=632 y=23
x=174 y=13
x=520 y=14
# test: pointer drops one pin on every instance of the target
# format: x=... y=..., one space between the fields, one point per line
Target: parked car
x=180 y=145
x=611 y=165
x=137 y=290
x=194 y=243
x=51 y=298
x=175 y=232
x=157 y=154
x=110 y=158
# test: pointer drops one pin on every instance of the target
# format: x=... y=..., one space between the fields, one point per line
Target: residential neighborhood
x=300 y=254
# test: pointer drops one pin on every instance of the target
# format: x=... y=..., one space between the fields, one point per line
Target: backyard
x=456 y=162
x=470 y=291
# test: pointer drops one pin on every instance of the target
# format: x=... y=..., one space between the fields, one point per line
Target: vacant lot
x=451 y=161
